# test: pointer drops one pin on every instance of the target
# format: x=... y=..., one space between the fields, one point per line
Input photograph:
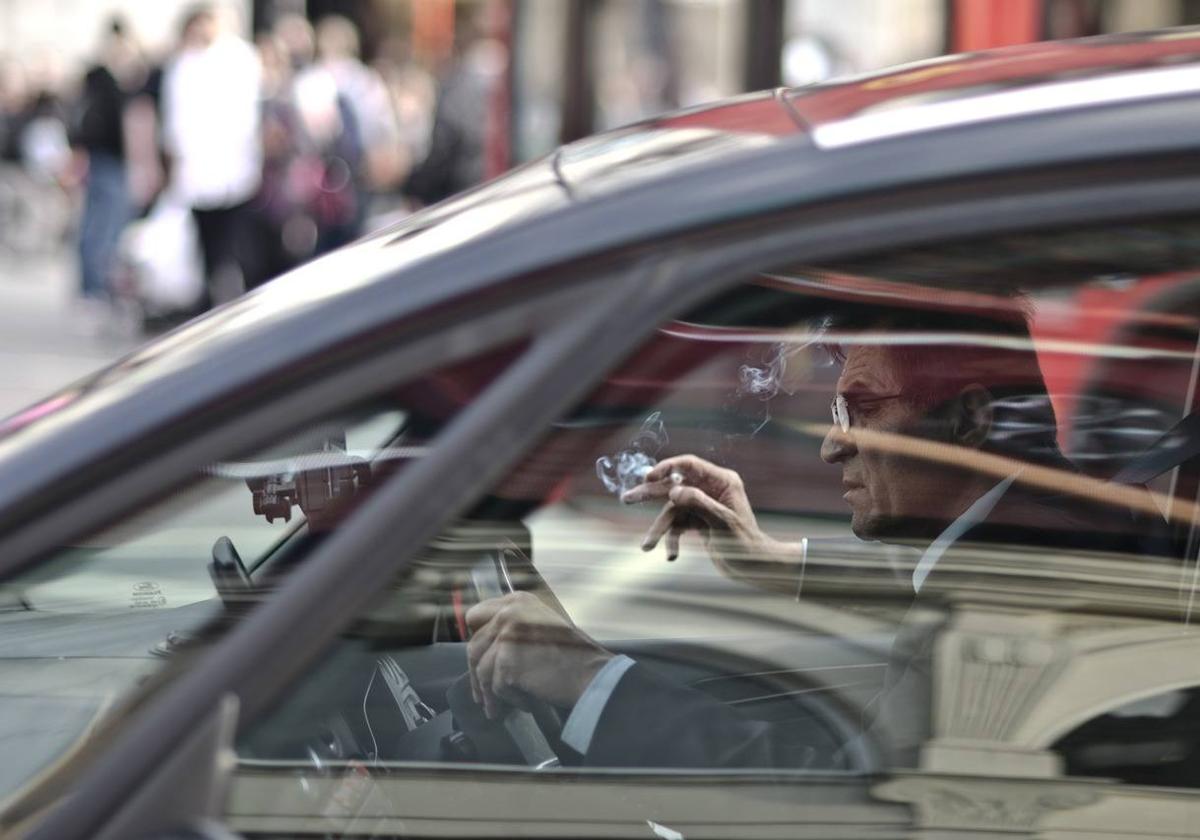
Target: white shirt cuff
x=581 y=724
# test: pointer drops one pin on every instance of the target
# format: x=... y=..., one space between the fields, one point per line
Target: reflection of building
x=1052 y=702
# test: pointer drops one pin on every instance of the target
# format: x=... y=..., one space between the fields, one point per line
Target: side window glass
x=111 y=609
x=1149 y=741
x=89 y=626
x=915 y=525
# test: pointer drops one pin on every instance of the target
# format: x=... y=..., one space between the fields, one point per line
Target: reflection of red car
x=1093 y=352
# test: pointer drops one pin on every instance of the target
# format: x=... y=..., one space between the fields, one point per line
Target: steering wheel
x=535 y=730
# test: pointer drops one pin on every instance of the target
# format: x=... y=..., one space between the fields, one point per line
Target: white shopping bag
x=164 y=254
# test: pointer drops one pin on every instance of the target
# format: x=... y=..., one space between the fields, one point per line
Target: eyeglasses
x=840 y=408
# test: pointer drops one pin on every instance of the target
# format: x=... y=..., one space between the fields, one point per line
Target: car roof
x=728 y=160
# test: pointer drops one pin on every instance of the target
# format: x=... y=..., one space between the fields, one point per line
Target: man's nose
x=837 y=445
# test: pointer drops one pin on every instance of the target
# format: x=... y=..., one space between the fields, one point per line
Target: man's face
x=890 y=494
x=202 y=31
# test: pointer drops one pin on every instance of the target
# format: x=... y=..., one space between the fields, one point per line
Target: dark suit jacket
x=651 y=722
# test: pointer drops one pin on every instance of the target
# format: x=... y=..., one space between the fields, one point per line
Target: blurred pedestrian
x=210 y=113
x=145 y=154
x=45 y=150
x=455 y=159
x=16 y=100
x=296 y=35
x=312 y=193
x=99 y=142
x=12 y=101
x=363 y=90
x=285 y=229
x=35 y=162
x=413 y=92
x=332 y=159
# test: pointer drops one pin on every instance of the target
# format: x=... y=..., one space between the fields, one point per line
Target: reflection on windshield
x=87 y=625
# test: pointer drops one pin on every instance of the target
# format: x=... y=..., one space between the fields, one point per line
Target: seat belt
x=1179 y=445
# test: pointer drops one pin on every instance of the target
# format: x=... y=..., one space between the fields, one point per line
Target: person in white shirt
x=210 y=122
x=894 y=402
x=366 y=94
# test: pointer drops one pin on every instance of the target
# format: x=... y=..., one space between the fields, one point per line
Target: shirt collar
x=971 y=517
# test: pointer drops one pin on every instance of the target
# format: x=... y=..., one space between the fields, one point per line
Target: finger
x=687 y=470
x=659 y=526
x=475 y=693
x=484 y=611
x=481 y=640
x=686 y=464
x=504 y=683
x=695 y=501
x=653 y=487
x=483 y=673
x=646 y=491
x=673 y=536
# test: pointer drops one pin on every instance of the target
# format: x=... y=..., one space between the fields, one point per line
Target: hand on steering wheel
x=522 y=651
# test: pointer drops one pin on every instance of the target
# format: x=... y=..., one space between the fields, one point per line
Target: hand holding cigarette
x=698 y=496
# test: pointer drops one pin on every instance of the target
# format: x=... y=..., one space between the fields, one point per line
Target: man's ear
x=971 y=422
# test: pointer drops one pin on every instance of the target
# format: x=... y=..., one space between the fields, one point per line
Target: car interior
x=744 y=381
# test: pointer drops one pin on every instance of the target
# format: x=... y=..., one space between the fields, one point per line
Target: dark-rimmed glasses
x=843 y=418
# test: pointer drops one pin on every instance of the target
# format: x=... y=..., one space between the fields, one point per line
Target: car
x=238 y=564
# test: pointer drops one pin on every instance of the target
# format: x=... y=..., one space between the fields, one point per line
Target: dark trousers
x=227 y=245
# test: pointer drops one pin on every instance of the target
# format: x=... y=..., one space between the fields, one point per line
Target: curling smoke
x=628 y=467
x=764 y=381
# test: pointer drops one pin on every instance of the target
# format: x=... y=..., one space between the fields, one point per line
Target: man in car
x=915 y=434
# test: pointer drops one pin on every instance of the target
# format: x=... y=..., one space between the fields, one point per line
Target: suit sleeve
x=651 y=722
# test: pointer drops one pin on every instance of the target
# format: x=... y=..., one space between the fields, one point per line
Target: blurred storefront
x=587 y=65
x=568 y=68
x=579 y=66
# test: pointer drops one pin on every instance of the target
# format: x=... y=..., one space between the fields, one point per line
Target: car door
x=331 y=590
x=992 y=716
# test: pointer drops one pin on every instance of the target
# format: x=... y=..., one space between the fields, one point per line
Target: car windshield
x=106 y=611
x=89 y=624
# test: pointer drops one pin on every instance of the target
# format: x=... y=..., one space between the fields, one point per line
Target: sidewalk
x=43 y=345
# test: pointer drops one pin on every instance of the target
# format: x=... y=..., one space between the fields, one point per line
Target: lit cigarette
x=676 y=477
